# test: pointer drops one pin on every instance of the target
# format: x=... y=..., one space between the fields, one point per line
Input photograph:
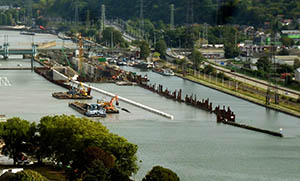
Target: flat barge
x=66 y=95
x=89 y=110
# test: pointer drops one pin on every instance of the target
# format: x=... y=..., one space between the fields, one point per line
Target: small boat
x=125 y=83
x=27 y=33
x=165 y=72
x=89 y=110
x=143 y=65
x=2 y=118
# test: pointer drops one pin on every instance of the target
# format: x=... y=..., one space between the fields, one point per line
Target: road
x=256 y=82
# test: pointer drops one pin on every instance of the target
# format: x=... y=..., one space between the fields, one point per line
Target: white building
x=297 y=74
x=288 y=60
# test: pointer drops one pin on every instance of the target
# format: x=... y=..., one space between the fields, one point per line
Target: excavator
x=108 y=106
x=74 y=93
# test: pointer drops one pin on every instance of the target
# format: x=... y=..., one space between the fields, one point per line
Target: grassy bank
x=234 y=91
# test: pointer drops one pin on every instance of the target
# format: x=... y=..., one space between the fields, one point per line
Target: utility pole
x=111 y=39
x=76 y=13
x=190 y=12
x=142 y=23
x=102 y=18
x=29 y=12
x=172 y=17
x=87 y=23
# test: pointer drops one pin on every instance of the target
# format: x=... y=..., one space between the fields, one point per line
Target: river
x=192 y=144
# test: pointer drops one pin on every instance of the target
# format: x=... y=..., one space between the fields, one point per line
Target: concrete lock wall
x=56 y=75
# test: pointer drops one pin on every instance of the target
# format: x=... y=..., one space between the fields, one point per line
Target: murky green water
x=193 y=144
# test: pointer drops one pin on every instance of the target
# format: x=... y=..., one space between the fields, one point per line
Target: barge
x=89 y=110
x=67 y=95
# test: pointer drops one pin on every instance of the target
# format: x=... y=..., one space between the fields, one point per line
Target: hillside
x=250 y=12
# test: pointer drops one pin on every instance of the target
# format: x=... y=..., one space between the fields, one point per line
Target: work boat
x=167 y=72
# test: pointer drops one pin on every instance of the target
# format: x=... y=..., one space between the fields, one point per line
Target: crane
x=108 y=106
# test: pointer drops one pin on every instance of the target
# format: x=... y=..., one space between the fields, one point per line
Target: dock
x=220 y=119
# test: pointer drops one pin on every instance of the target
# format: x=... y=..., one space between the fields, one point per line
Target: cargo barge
x=89 y=110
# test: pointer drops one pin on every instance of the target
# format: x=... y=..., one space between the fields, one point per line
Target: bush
x=29 y=175
x=159 y=173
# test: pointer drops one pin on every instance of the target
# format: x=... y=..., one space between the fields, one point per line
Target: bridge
x=5 y=51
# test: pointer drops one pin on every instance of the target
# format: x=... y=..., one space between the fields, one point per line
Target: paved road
x=257 y=82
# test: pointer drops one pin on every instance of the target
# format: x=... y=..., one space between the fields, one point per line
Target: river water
x=192 y=144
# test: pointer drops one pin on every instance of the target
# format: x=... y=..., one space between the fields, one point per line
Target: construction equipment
x=74 y=93
x=108 y=106
x=90 y=110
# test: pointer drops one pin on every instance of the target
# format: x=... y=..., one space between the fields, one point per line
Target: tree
x=209 y=69
x=283 y=51
x=145 y=50
x=264 y=64
x=112 y=37
x=161 y=47
x=94 y=164
x=63 y=139
x=287 y=42
x=296 y=63
x=231 y=50
x=159 y=173
x=197 y=58
x=29 y=175
x=14 y=133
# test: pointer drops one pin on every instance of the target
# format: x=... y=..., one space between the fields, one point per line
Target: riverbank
x=253 y=99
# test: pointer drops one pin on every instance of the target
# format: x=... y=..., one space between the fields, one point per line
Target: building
x=297 y=74
x=288 y=60
x=292 y=34
x=4 y=8
x=212 y=53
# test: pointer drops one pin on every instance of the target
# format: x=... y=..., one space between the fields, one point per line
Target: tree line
x=249 y=12
x=85 y=149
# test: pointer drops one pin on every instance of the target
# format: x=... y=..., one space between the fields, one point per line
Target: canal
x=193 y=144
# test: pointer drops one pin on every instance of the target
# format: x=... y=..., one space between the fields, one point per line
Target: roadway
x=249 y=80
x=255 y=82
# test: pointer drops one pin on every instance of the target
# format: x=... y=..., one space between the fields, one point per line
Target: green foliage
x=209 y=69
x=28 y=175
x=145 y=50
x=264 y=64
x=161 y=47
x=93 y=164
x=159 y=173
x=14 y=133
x=287 y=42
x=156 y=54
x=296 y=63
x=110 y=35
x=197 y=58
x=283 y=51
x=63 y=138
x=97 y=171
x=232 y=11
x=231 y=50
